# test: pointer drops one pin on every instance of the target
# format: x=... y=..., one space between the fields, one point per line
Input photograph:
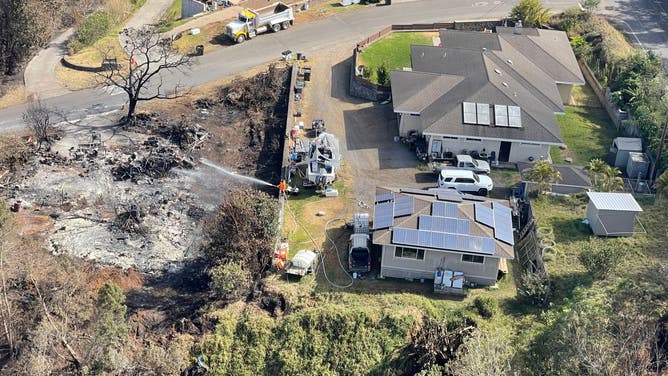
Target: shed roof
x=614 y=201
x=628 y=143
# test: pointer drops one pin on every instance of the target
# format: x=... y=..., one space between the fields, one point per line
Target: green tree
x=661 y=184
x=383 y=75
x=542 y=173
x=111 y=331
x=595 y=168
x=600 y=257
x=532 y=13
x=243 y=231
x=91 y=30
x=590 y=6
x=25 y=25
x=229 y=280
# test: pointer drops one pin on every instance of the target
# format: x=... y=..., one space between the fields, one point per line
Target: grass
x=584 y=96
x=503 y=177
x=14 y=94
x=393 y=50
x=587 y=133
x=173 y=13
x=90 y=57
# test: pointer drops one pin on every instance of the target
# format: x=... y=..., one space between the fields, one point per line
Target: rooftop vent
x=509 y=62
x=497 y=71
x=504 y=84
x=484 y=48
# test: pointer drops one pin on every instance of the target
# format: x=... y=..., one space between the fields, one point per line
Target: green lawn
x=394 y=50
x=588 y=133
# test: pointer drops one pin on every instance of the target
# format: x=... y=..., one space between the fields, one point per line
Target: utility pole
x=659 y=150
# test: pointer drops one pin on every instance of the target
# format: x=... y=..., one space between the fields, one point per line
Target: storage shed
x=612 y=214
x=637 y=166
x=621 y=146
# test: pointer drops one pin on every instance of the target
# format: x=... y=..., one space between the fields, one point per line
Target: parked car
x=464 y=181
x=465 y=162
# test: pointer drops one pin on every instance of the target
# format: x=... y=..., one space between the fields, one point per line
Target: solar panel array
x=507 y=116
x=383 y=215
x=476 y=113
x=503 y=225
x=403 y=206
x=443 y=240
x=484 y=215
x=384 y=197
x=444 y=224
x=444 y=209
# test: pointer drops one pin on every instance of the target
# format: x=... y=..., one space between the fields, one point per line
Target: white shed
x=612 y=213
x=302 y=263
x=621 y=146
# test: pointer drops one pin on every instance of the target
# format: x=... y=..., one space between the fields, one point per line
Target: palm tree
x=611 y=179
x=542 y=173
x=595 y=168
x=661 y=184
x=531 y=12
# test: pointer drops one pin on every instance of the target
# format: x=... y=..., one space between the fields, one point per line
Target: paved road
x=645 y=20
x=308 y=38
x=40 y=76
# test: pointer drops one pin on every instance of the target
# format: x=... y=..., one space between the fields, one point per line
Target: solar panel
x=403 y=206
x=451 y=210
x=424 y=238
x=417 y=191
x=484 y=215
x=449 y=196
x=412 y=236
x=384 y=197
x=450 y=225
x=488 y=246
x=503 y=226
x=382 y=215
x=514 y=117
x=469 y=113
x=463 y=226
x=500 y=115
x=399 y=235
x=425 y=222
x=451 y=241
x=438 y=209
x=438 y=240
x=483 y=113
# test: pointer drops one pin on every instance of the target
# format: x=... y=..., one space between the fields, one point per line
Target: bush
x=383 y=75
x=600 y=258
x=94 y=27
x=486 y=306
x=229 y=281
x=535 y=287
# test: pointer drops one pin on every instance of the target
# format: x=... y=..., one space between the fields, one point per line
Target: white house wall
x=399 y=267
x=519 y=152
x=565 y=91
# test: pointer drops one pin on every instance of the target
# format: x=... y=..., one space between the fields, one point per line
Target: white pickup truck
x=251 y=22
x=463 y=162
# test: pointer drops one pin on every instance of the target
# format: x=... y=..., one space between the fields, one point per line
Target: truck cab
x=251 y=22
x=359 y=254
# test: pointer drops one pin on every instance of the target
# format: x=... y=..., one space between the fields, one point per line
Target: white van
x=464 y=181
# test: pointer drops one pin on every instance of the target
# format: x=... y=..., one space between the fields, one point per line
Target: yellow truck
x=250 y=22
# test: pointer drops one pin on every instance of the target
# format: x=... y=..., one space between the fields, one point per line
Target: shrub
x=600 y=258
x=91 y=30
x=486 y=306
x=535 y=287
x=383 y=75
x=229 y=280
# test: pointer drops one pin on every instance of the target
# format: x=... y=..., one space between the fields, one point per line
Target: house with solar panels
x=491 y=93
x=442 y=235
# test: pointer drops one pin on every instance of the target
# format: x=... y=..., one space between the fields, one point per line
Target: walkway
x=40 y=75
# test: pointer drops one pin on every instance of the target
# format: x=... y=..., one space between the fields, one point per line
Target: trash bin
x=199 y=50
x=299 y=56
x=307 y=73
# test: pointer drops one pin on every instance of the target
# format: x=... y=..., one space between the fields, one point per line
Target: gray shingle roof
x=495 y=68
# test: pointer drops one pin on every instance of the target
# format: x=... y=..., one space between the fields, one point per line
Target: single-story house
x=496 y=93
x=423 y=232
x=612 y=213
x=574 y=179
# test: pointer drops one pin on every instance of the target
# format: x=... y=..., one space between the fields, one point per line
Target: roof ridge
x=530 y=37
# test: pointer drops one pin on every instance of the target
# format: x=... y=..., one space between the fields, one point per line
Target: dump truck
x=359 y=251
x=252 y=22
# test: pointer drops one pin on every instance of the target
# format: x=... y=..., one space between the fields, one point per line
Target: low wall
x=82 y=68
x=363 y=88
x=289 y=123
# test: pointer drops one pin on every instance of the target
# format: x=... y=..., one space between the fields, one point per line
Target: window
x=464 y=180
x=410 y=253
x=450 y=138
x=473 y=139
x=472 y=258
